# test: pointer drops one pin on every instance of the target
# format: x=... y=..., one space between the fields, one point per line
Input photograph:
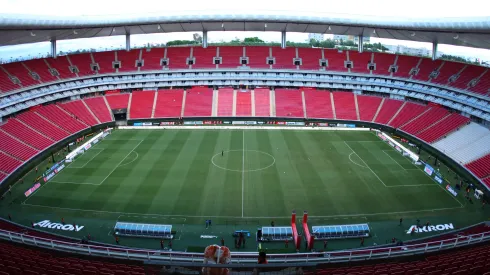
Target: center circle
x=243 y=160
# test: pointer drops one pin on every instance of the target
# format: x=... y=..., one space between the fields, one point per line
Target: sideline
x=211 y=127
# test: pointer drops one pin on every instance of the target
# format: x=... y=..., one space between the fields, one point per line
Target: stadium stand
x=243 y=103
x=310 y=58
x=383 y=62
x=128 y=60
x=284 y=58
x=368 y=105
x=257 y=57
x=99 y=108
x=21 y=260
x=169 y=103
x=318 y=104
x=345 y=107
x=336 y=59
x=472 y=151
x=40 y=67
x=15 y=148
x=466 y=135
x=26 y=134
x=408 y=112
x=262 y=102
x=225 y=102
x=480 y=167
x=152 y=57
x=447 y=70
x=18 y=70
x=469 y=73
x=142 y=104
x=482 y=86
x=443 y=128
x=289 y=103
x=35 y=121
x=82 y=62
x=426 y=67
x=178 y=57
x=6 y=84
x=64 y=120
x=198 y=102
x=427 y=119
x=61 y=65
x=360 y=61
x=204 y=57
x=104 y=60
x=80 y=111
x=230 y=56
x=119 y=101
x=388 y=110
x=405 y=64
x=8 y=163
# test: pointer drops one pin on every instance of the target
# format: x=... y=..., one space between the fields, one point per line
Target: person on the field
x=401 y=220
x=162 y=243
x=325 y=243
x=222 y=241
x=362 y=241
x=286 y=243
x=222 y=153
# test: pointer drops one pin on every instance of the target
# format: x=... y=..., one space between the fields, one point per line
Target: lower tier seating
x=26 y=134
x=289 y=103
x=480 y=167
x=99 y=108
x=198 y=102
x=7 y=163
x=142 y=104
x=15 y=148
x=169 y=103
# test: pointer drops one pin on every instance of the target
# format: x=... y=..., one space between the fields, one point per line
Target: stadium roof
x=460 y=31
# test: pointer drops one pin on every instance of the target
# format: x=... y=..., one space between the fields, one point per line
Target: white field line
x=121 y=162
x=238 y=217
x=243 y=170
x=137 y=156
x=366 y=164
x=100 y=150
x=384 y=151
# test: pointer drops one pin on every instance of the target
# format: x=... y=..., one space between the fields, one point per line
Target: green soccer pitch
x=240 y=179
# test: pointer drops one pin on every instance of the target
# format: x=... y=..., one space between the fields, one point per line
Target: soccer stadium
x=214 y=154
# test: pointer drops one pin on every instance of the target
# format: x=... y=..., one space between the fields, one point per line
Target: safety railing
x=247 y=257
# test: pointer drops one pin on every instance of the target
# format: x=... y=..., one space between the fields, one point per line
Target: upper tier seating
x=15 y=148
x=105 y=59
x=120 y=101
x=426 y=120
x=257 y=55
x=225 y=102
x=443 y=128
x=142 y=104
x=345 y=107
x=289 y=103
x=26 y=134
x=368 y=105
x=388 y=110
x=243 y=103
x=262 y=102
x=360 y=61
x=99 y=108
x=480 y=167
x=409 y=111
x=177 y=57
x=42 y=125
x=204 y=57
x=64 y=120
x=80 y=111
x=383 y=62
x=310 y=58
x=198 y=102
x=169 y=103
x=318 y=104
x=128 y=60
x=230 y=56
x=284 y=58
x=152 y=58
x=7 y=163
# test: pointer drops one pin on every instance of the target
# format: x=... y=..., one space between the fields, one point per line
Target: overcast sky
x=410 y=9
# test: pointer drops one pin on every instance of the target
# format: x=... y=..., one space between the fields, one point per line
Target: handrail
x=248 y=257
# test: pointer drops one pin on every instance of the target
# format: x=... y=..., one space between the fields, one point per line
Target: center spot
x=243 y=161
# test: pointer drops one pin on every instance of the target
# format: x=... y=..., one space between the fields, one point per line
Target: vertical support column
x=53 y=48
x=434 y=50
x=205 y=39
x=283 y=39
x=128 y=42
x=360 y=46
